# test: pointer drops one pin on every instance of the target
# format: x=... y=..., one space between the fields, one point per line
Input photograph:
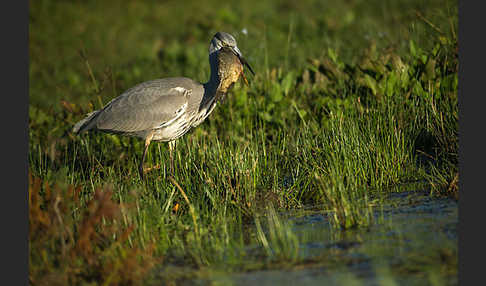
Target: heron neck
x=213 y=87
x=214 y=79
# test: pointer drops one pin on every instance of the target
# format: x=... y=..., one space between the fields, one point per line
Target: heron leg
x=171 y=149
x=148 y=139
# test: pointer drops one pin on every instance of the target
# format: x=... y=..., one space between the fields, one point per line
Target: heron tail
x=87 y=123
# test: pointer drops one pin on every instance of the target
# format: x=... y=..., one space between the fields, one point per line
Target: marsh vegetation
x=352 y=102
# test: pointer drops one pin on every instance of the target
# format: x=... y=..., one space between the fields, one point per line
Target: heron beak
x=242 y=59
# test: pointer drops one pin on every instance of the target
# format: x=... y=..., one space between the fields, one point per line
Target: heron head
x=223 y=39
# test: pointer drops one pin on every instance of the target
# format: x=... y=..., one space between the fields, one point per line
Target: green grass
x=350 y=100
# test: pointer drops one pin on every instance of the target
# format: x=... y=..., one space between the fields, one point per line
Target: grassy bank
x=350 y=100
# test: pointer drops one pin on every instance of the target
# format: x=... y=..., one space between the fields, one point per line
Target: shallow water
x=413 y=241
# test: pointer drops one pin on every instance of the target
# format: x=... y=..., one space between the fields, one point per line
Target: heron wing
x=146 y=106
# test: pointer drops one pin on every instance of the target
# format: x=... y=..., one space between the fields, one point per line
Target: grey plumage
x=86 y=123
x=165 y=109
x=146 y=106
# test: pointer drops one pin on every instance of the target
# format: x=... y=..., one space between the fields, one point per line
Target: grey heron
x=165 y=109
